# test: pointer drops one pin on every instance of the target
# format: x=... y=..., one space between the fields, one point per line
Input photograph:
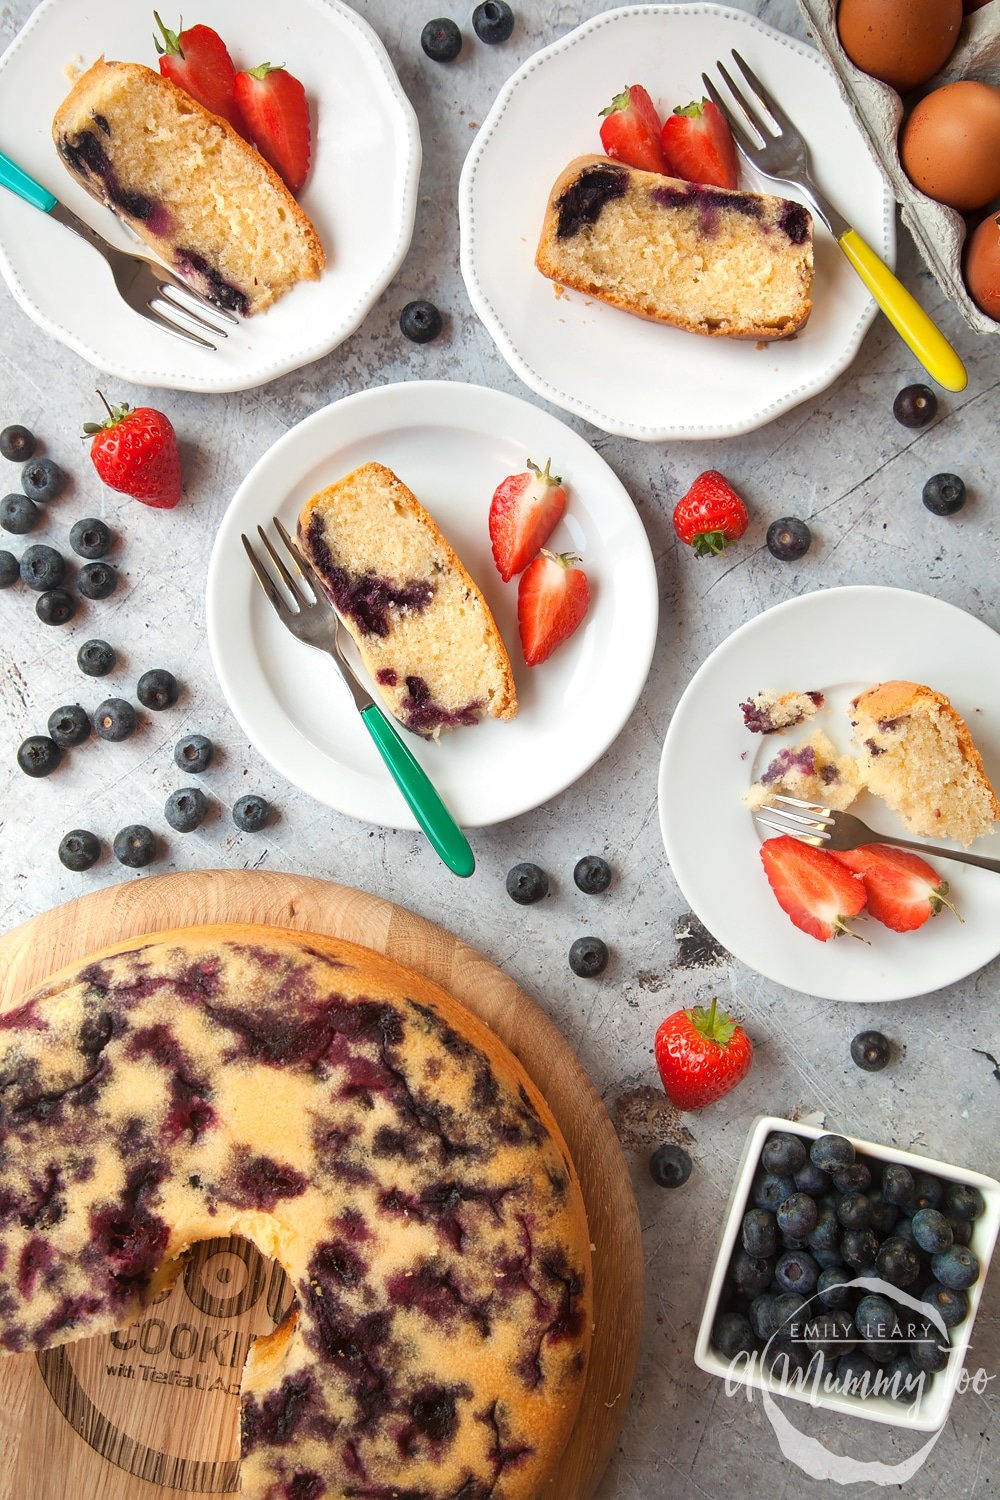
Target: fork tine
x=767 y=102
x=169 y=279
x=154 y=315
x=812 y=823
x=751 y=118
x=303 y=564
x=818 y=810
x=264 y=578
x=301 y=601
x=746 y=145
x=165 y=290
x=816 y=839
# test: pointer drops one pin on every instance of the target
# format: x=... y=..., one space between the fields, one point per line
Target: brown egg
x=982 y=266
x=903 y=42
x=950 y=144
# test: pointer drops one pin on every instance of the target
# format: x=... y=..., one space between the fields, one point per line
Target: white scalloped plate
x=623 y=374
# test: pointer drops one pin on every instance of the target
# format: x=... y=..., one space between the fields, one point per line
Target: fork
x=826 y=829
x=141 y=283
x=777 y=149
x=315 y=622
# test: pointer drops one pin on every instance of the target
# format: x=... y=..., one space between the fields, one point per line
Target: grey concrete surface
x=840 y=461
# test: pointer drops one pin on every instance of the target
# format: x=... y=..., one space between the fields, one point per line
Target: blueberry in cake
x=770 y=712
x=352 y=1121
x=424 y=630
x=813 y=771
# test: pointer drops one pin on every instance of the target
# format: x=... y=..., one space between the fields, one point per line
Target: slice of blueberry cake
x=424 y=630
x=356 y=1123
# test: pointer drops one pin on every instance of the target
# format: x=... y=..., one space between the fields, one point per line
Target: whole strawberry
x=136 y=452
x=701 y=1055
x=711 y=516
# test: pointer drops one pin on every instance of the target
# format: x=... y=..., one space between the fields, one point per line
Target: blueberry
x=193 y=753
x=97 y=580
x=115 y=719
x=526 y=884
x=956 y=1268
x=759 y=1232
x=135 y=846
x=832 y=1287
x=69 y=726
x=670 y=1166
x=952 y=1305
x=42 y=567
x=797 y=1216
x=789 y=1309
x=186 y=808
x=588 y=957
x=788 y=539
x=856 y=1178
x=932 y=1231
x=752 y=1273
x=830 y=1331
x=884 y=1215
x=157 y=689
x=782 y=1358
x=915 y=406
x=796 y=1271
x=961 y=1231
x=858 y=1248
x=96 y=658
x=251 y=813
x=79 y=849
x=825 y=1255
x=10 y=569
x=762 y=1315
x=493 y=21
x=42 y=479
x=903 y=1230
x=905 y=1380
x=91 y=538
x=855 y=1211
x=768 y=1189
x=810 y=1179
x=783 y=1154
x=928 y=1192
x=930 y=1354
x=55 y=606
x=732 y=1335
x=875 y=1317
x=944 y=494
x=898 y=1186
x=963 y=1201
x=441 y=40
x=897 y=1262
x=870 y=1051
x=830 y=1151
x=857 y=1374
x=17 y=443
x=18 y=514
x=825 y=1233
x=38 y=755
x=592 y=874
x=420 y=321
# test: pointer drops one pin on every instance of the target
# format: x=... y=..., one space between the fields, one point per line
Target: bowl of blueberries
x=849 y=1275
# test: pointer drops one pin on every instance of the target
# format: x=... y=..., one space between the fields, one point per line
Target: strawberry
x=701 y=1055
x=198 y=61
x=812 y=886
x=524 y=509
x=902 y=889
x=711 y=515
x=698 y=145
x=552 y=599
x=275 y=115
x=136 y=452
x=631 y=130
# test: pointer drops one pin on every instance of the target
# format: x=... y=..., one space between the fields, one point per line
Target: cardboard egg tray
x=939 y=232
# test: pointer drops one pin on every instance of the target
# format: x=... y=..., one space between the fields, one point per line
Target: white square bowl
x=930 y=1411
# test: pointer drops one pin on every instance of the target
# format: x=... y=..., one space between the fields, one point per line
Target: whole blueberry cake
x=351 y=1120
x=707 y=259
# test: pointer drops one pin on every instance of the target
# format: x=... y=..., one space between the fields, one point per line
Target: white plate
x=628 y=376
x=452 y=444
x=839 y=641
x=360 y=194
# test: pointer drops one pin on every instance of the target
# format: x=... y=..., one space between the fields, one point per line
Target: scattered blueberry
x=17 y=443
x=783 y=1154
x=193 y=753
x=186 y=808
x=831 y=1151
x=441 y=40
x=952 y=1305
x=588 y=957
x=420 y=321
x=956 y=1268
x=526 y=884
x=964 y=1202
x=55 y=606
x=96 y=658
x=788 y=539
x=944 y=494
x=769 y=1189
x=670 y=1166
x=79 y=849
x=135 y=846
x=251 y=813
x=97 y=580
x=731 y=1333
x=870 y=1051
x=69 y=726
x=932 y=1231
x=898 y=1186
x=493 y=21
x=10 y=570
x=759 y=1232
x=42 y=567
x=796 y=1271
x=797 y=1216
x=91 y=538
x=897 y=1262
x=915 y=406
x=42 y=479
x=38 y=755
x=592 y=874
x=18 y=514
x=115 y=719
x=157 y=689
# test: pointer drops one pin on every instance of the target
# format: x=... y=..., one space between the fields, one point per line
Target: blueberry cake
x=188 y=184
x=707 y=259
x=813 y=771
x=771 y=712
x=424 y=631
x=920 y=759
x=352 y=1121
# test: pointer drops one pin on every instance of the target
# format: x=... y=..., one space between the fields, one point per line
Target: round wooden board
x=41 y=1456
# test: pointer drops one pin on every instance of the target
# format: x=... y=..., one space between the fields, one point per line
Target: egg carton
x=939 y=231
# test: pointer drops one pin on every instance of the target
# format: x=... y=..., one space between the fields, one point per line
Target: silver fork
x=776 y=148
x=826 y=829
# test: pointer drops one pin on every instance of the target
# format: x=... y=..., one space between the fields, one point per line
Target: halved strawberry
x=902 y=889
x=697 y=145
x=552 y=599
x=275 y=114
x=198 y=61
x=631 y=130
x=814 y=888
x=523 y=512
